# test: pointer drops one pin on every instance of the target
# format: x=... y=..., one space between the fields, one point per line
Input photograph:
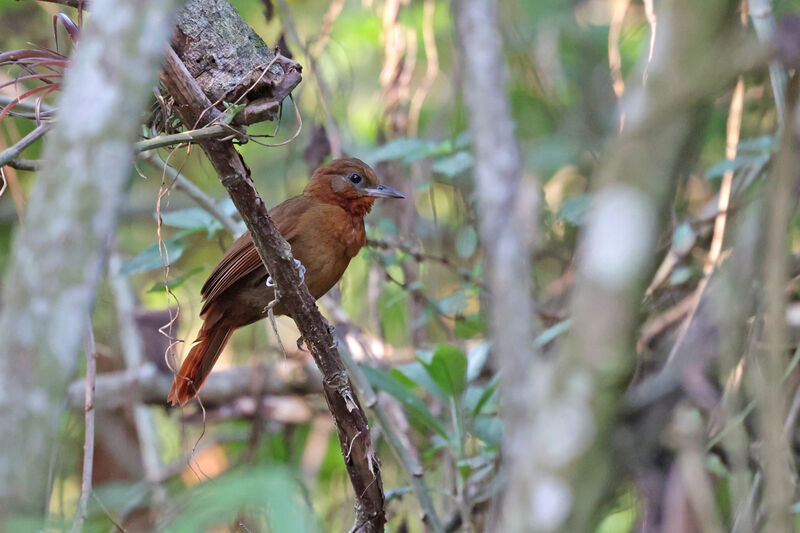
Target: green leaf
x=177 y=282
x=741 y=161
x=448 y=368
x=470 y=325
x=683 y=239
x=397 y=493
x=550 y=154
x=466 y=241
x=406 y=149
x=416 y=407
x=453 y=303
x=118 y=496
x=551 y=333
x=574 y=210
x=231 y=110
x=270 y=492
x=757 y=144
x=416 y=373
x=715 y=465
x=150 y=257
x=487 y=394
x=405 y=380
x=194 y=219
x=470 y=465
x=454 y=165
x=387 y=227
x=489 y=430
x=476 y=359
x=681 y=275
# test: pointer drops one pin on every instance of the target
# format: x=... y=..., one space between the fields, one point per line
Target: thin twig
x=88 y=443
x=331 y=127
x=44 y=109
x=764 y=24
x=734 y=127
x=420 y=256
x=749 y=504
x=295 y=135
x=214 y=131
x=731 y=362
x=14 y=151
x=146 y=384
x=334 y=10
x=650 y=15
x=688 y=432
x=732 y=142
x=69 y=3
x=618 y=11
x=31 y=165
x=432 y=56
x=184 y=184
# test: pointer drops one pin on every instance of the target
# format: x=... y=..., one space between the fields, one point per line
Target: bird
x=325 y=228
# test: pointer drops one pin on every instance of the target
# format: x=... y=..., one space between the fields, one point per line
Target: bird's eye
x=354 y=178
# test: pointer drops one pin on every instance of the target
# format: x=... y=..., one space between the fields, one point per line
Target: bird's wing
x=242 y=257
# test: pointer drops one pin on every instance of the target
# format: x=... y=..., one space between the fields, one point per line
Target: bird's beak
x=384 y=191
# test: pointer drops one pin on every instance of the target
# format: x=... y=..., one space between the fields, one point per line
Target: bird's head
x=349 y=183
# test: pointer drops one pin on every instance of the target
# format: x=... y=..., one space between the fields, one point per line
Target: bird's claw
x=332 y=331
x=301 y=269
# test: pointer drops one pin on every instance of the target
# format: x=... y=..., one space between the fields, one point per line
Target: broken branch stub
x=230 y=62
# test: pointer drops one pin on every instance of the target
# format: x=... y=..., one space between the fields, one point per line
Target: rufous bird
x=325 y=228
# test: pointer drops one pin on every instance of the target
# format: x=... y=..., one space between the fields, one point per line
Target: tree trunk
x=508 y=215
x=58 y=254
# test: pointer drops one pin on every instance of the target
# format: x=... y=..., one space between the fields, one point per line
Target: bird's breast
x=327 y=250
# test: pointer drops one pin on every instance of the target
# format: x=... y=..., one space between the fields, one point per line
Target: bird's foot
x=301 y=268
x=332 y=331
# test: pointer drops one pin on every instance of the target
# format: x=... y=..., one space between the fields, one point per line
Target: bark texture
x=57 y=257
x=230 y=62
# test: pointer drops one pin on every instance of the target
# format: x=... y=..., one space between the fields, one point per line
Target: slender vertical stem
x=508 y=215
x=770 y=391
x=459 y=455
x=88 y=442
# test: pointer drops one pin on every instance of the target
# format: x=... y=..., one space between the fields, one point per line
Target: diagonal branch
x=362 y=464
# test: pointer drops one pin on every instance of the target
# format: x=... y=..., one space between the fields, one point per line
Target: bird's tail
x=198 y=364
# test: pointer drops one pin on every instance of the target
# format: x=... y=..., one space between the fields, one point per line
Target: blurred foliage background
x=380 y=82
